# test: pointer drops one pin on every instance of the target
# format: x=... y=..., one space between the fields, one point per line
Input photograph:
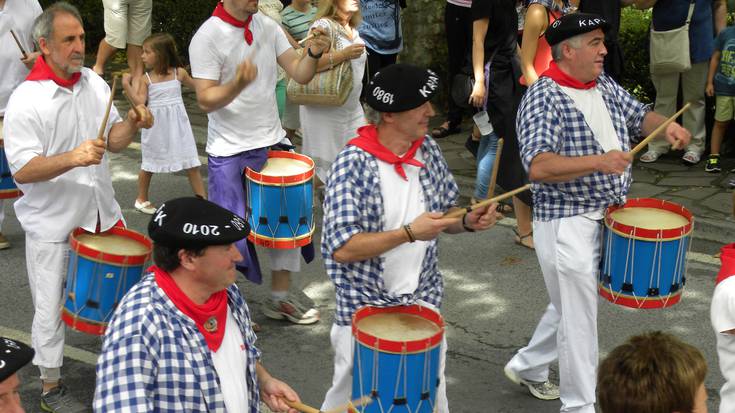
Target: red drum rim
x=631 y=301
x=398 y=347
x=10 y=193
x=257 y=177
x=650 y=234
x=82 y=324
x=281 y=243
x=127 y=260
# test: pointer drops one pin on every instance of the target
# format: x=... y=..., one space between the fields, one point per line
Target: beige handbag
x=328 y=88
x=669 y=51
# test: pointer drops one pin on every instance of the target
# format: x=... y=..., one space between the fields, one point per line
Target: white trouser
x=285 y=259
x=568 y=251
x=47 y=264
x=2 y=214
x=693 y=83
x=726 y=358
x=341 y=390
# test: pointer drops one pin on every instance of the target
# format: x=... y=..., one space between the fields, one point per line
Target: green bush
x=180 y=18
x=633 y=38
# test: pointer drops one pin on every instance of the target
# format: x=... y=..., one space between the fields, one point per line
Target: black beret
x=13 y=356
x=195 y=223
x=401 y=87
x=573 y=24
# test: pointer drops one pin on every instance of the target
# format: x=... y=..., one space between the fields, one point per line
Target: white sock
x=279 y=295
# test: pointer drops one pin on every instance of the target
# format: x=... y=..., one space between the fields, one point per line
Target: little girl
x=169 y=145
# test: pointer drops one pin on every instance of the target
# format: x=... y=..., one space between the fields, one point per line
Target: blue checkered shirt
x=548 y=121
x=353 y=204
x=154 y=359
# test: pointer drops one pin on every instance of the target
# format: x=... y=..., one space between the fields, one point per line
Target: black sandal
x=442 y=132
x=519 y=239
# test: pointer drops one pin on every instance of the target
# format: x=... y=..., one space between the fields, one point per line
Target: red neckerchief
x=367 y=140
x=226 y=17
x=210 y=317
x=564 y=79
x=42 y=71
x=727 y=258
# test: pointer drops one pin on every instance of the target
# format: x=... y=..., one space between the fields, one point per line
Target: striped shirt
x=297 y=23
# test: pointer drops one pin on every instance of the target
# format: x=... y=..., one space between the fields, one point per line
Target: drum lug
x=674 y=287
x=653 y=292
x=263 y=220
x=303 y=221
x=374 y=394
x=400 y=401
x=683 y=281
x=627 y=287
x=425 y=395
x=283 y=219
x=93 y=304
x=607 y=279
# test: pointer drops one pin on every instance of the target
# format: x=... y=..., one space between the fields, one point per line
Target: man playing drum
x=17 y=16
x=574 y=127
x=234 y=58
x=50 y=130
x=182 y=339
x=385 y=197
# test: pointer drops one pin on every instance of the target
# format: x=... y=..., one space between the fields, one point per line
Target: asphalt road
x=494 y=297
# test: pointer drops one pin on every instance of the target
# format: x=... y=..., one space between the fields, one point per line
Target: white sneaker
x=541 y=390
x=145 y=207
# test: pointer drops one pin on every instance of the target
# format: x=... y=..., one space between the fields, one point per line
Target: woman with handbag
x=327 y=129
x=496 y=89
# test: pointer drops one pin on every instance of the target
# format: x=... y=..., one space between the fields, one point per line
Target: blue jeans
x=485 y=160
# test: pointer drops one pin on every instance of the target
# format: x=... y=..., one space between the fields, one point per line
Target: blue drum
x=102 y=268
x=7 y=185
x=396 y=358
x=644 y=255
x=280 y=202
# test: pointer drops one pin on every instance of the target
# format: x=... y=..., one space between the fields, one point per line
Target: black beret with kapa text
x=13 y=356
x=195 y=223
x=573 y=24
x=401 y=87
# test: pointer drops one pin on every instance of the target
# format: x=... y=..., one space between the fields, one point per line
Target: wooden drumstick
x=132 y=105
x=309 y=37
x=340 y=409
x=658 y=130
x=496 y=166
x=101 y=134
x=20 y=46
x=459 y=212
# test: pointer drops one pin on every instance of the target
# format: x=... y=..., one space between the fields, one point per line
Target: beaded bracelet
x=409 y=232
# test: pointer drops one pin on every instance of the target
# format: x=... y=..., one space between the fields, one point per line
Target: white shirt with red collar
x=44 y=119
x=17 y=16
x=251 y=120
x=722 y=316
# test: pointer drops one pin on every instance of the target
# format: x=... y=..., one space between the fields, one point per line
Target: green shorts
x=724 y=108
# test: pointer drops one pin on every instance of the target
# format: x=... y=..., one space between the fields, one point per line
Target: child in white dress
x=169 y=145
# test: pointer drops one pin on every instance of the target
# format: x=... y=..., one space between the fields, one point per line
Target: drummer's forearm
x=212 y=96
x=42 y=168
x=553 y=168
x=366 y=245
x=120 y=136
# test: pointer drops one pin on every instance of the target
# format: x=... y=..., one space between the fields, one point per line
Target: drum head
x=398 y=329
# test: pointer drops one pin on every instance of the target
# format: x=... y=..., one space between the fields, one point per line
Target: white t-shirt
x=229 y=362
x=594 y=110
x=722 y=316
x=46 y=119
x=17 y=15
x=251 y=120
x=403 y=201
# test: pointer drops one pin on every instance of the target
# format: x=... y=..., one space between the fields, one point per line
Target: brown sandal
x=519 y=239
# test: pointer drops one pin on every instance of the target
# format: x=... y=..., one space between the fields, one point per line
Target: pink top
x=542 y=60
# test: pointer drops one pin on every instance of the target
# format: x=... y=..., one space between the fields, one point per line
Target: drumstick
x=340 y=409
x=101 y=134
x=656 y=131
x=496 y=166
x=132 y=105
x=20 y=46
x=459 y=212
x=309 y=37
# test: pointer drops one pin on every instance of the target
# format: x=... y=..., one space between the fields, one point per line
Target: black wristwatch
x=312 y=55
x=464 y=224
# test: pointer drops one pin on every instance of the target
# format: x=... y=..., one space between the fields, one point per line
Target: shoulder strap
x=149 y=78
x=691 y=11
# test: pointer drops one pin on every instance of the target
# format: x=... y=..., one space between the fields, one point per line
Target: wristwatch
x=312 y=55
